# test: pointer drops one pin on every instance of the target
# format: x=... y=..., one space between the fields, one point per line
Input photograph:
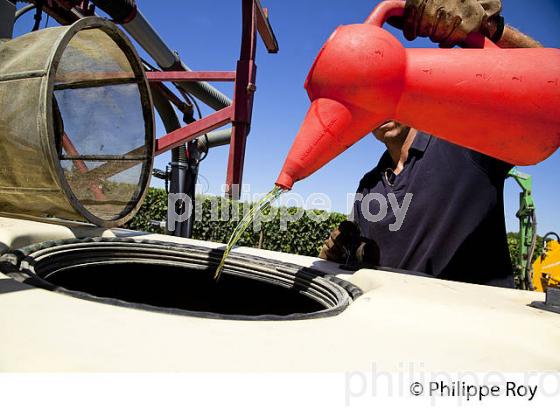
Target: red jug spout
x=353 y=89
x=317 y=142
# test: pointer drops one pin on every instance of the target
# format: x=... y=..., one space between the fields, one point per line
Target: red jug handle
x=395 y=8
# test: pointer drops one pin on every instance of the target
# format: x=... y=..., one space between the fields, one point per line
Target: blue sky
x=207 y=36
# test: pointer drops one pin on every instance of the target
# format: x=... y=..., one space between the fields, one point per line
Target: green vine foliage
x=513 y=245
x=303 y=236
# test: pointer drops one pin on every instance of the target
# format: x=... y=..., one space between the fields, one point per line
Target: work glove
x=449 y=22
x=367 y=253
x=342 y=243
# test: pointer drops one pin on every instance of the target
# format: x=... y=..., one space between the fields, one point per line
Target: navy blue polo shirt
x=454 y=226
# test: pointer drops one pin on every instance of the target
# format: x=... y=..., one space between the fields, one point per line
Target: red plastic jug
x=502 y=102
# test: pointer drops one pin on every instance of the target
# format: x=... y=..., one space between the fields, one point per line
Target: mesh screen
x=28 y=183
x=102 y=131
x=103 y=120
x=29 y=52
x=92 y=54
x=100 y=194
x=100 y=126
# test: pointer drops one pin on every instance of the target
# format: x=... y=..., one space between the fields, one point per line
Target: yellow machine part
x=547 y=268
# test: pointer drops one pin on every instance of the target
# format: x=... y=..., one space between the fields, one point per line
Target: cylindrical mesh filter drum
x=76 y=124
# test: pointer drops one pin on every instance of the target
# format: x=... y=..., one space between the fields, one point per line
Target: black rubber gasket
x=333 y=293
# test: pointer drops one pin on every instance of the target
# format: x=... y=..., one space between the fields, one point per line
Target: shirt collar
x=420 y=142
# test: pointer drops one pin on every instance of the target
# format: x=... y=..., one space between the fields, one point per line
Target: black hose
x=549 y=234
x=121 y=11
x=529 y=268
x=38 y=15
x=178 y=155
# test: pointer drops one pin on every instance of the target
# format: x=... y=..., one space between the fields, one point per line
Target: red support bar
x=243 y=98
x=190 y=75
x=265 y=30
x=236 y=160
x=193 y=130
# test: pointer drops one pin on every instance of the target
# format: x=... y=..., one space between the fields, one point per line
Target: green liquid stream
x=242 y=226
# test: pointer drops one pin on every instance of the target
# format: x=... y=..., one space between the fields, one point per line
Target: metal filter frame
x=49 y=193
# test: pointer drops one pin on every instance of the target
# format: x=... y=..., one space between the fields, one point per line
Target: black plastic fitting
x=121 y=11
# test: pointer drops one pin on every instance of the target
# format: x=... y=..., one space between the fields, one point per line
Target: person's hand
x=368 y=253
x=341 y=243
x=449 y=22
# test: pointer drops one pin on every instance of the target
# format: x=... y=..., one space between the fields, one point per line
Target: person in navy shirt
x=429 y=206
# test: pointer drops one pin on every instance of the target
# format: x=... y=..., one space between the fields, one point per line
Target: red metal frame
x=242 y=99
x=255 y=21
x=195 y=129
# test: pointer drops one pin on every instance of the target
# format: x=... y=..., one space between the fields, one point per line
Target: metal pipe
x=133 y=21
x=190 y=187
x=145 y=35
x=24 y=10
x=214 y=139
x=179 y=176
x=184 y=171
